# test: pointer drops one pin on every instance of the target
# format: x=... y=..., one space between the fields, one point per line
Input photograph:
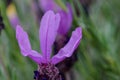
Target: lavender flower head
x=48 y=30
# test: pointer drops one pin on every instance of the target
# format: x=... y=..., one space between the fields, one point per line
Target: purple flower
x=66 y=16
x=47 y=34
x=48 y=31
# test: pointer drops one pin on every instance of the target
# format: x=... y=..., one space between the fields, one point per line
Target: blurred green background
x=99 y=50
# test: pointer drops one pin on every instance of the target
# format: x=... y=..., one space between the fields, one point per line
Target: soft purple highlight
x=14 y=20
x=48 y=5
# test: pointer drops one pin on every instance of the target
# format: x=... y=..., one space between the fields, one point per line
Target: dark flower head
x=47 y=72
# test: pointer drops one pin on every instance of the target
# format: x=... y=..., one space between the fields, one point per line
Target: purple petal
x=25 y=46
x=69 y=48
x=35 y=56
x=66 y=21
x=48 y=31
x=23 y=40
x=48 y=5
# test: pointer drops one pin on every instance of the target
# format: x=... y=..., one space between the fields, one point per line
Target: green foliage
x=98 y=53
